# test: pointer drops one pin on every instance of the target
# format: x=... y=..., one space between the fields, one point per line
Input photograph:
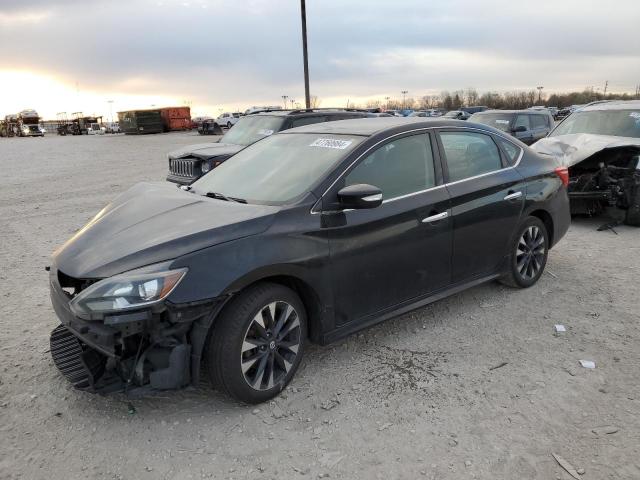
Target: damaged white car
x=600 y=144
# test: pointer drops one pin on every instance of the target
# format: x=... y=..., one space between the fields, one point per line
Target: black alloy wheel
x=529 y=254
x=257 y=342
x=270 y=345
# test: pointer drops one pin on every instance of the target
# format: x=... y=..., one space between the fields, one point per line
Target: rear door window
x=469 y=154
x=539 y=121
x=523 y=120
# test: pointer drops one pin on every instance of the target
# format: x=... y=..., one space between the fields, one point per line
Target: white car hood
x=573 y=149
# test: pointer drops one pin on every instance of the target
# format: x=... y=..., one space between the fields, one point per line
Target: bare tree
x=471 y=96
x=315 y=101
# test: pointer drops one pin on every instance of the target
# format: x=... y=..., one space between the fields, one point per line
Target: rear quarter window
x=512 y=151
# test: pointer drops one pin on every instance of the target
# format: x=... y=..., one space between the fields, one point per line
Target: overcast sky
x=68 y=55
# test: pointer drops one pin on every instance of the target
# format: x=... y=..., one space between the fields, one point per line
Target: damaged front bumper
x=155 y=348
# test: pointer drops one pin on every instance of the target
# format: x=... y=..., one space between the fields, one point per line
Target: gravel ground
x=474 y=386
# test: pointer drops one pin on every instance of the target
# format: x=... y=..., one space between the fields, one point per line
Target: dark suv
x=528 y=126
x=190 y=163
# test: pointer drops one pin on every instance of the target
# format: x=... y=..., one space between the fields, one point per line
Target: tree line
x=506 y=100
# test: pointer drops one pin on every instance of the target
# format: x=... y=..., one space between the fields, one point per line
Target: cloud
x=232 y=52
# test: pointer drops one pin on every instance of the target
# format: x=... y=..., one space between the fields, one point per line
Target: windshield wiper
x=220 y=196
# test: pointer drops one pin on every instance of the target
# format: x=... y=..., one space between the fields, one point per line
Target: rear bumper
x=561 y=214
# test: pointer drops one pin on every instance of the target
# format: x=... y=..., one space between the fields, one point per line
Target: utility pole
x=540 y=93
x=387 y=102
x=110 y=102
x=284 y=99
x=606 y=84
x=404 y=98
x=305 y=57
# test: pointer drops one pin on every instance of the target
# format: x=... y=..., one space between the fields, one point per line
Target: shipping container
x=176 y=118
x=140 y=121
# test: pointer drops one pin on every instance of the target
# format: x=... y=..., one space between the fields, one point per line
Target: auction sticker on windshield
x=331 y=143
x=503 y=122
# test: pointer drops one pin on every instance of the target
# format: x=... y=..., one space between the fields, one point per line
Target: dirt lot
x=475 y=386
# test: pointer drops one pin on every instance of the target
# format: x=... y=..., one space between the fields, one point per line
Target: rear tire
x=257 y=343
x=632 y=216
x=529 y=253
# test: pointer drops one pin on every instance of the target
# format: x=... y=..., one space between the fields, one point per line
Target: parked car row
x=528 y=126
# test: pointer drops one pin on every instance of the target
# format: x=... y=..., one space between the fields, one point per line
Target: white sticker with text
x=331 y=143
x=503 y=122
x=265 y=132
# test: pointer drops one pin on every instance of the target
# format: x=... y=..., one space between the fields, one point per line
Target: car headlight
x=206 y=166
x=126 y=292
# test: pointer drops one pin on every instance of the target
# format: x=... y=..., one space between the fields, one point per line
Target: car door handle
x=513 y=196
x=435 y=218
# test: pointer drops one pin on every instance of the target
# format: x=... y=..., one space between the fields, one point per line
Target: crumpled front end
x=154 y=348
x=604 y=172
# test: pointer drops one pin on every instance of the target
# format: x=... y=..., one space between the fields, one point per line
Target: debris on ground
x=495 y=367
x=329 y=404
x=560 y=328
x=588 y=363
x=605 y=430
x=566 y=465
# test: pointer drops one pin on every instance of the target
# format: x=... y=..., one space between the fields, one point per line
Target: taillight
x=563 y=174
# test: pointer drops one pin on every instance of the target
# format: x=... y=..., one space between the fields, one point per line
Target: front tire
x=257 y=343
x=529 y=253
x=229 y=125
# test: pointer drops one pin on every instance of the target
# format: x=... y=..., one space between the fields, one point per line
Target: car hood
x=207 y=150
x=151 y=223
x=573 y=149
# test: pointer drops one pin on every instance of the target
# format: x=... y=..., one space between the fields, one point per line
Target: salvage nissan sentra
x=308 y=235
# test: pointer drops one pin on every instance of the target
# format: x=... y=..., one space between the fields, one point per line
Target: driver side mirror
x=360 y=196
x=520 y=128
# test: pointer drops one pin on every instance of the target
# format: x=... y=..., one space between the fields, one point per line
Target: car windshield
x=620 y=123
x=501 y=121
x=278 y=169
x=249 y=130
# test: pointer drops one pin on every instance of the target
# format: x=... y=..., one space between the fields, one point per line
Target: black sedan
x=307 y=235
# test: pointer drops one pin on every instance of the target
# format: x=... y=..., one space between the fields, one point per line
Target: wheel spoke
x=259 y=325
x=290 y=346
x=251 y=343
x=271 y=317
x=282 y=318
x=271 y=373
x=283 y=362
x=289 y=327
x=262 y=366
x=251 y=361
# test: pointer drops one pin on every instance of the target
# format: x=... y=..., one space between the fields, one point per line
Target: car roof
x=310 y=112
x=371 y=126
x=530 y=112
x=611 y=105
